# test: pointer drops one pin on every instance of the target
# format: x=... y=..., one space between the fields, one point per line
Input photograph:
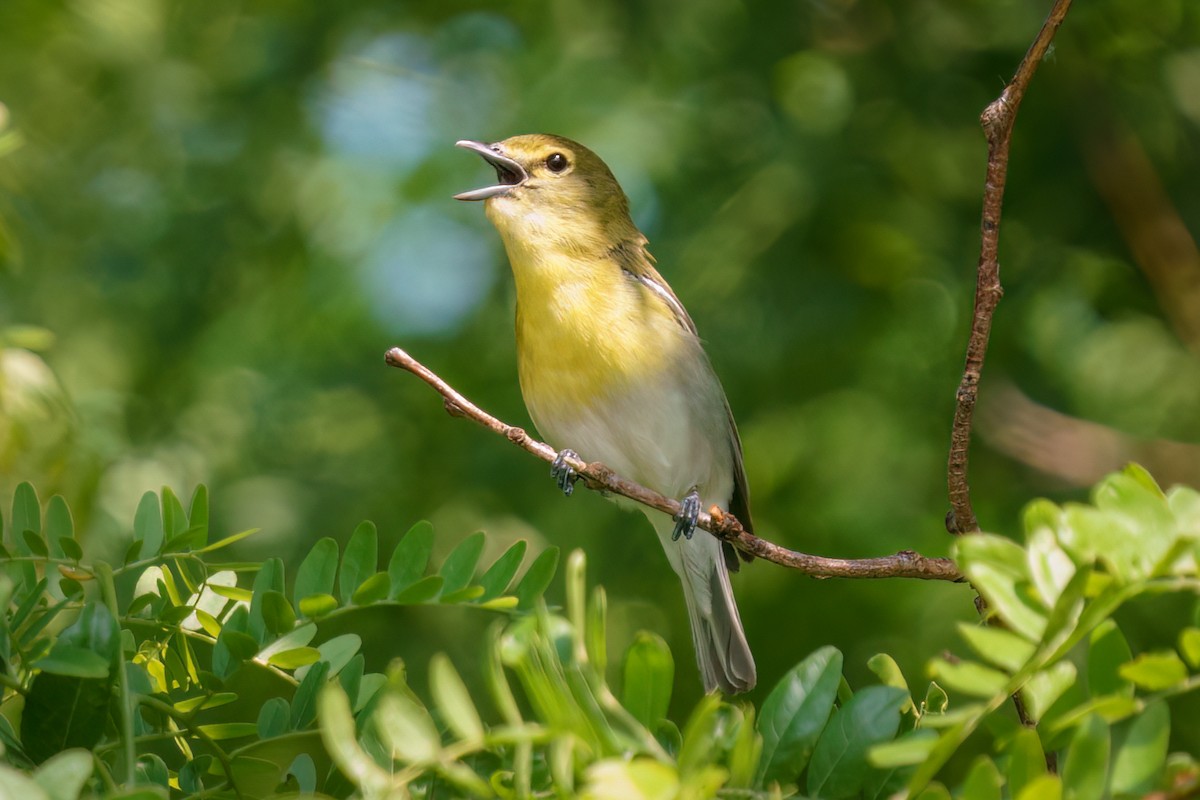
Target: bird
x=611 y=369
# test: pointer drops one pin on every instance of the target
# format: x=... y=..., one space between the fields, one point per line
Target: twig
x=997 y=120
x=723 y=525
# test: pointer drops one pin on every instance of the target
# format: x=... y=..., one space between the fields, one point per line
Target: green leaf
x=997 y=646
x=341 y=741
x=839 y=759
x=63 y=712
x=358 y=562
x=537 y=578
x=304 y=771
x=407 y=729
x=1026 y=761
x=174 y=519
x=297 y=638
x=638 y=779
x=1155 y=671
x=96 y=630
x=997 y=568
x=459 y=567
x=196 y=533
x=198 y=513
x=337 y=652
x=317 y=572
x=372 y=590
x=351 y=677
x=1085 y=770
x=1189 y=646
x=983 y=781
x=936 y=700
x=318 y=605
x=410 y=557
x=255 y=777
x=273 y=718
x=889 y=674
x=27 y=511
x=969 y=677
x=229 y=730
x=70 y=548
x=295 y=658
x=649 y=674
x=1044 y=787
x=76 y=662
x=423 y=590
x=34 y=544
x=453 y=700
x=59 y=527
x=500 y=574
x=205 y=701
x=268 y=579
x=910 y=748
x=795 y=713
x=63 y=776
x=1140 y=758
x=464 y=595
x=305 y=699
x=148 y=525
x=1107 y=652
x=1045 y=687
x=277 y=614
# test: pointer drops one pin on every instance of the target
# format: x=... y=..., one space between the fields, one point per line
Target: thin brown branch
x=997 y=120
x=723 y=525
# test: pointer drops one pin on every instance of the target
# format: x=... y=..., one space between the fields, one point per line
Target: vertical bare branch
x=997 y=120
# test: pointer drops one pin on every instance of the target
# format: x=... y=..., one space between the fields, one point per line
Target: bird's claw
x=562 y=472
x=685 y=520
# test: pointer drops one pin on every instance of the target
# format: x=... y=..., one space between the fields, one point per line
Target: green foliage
x=183 y=681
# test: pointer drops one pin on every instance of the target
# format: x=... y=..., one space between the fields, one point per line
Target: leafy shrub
x=113 y=675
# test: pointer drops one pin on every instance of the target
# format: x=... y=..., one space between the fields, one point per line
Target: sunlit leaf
x=294 y=658
x=1155 y=671
x=372 y=590
x=969 y=677
x=453 y=700
x=63 y=776
x=229 y=730
x=407 y=729
x=318 y=605
x=649 y=673
x=1045 y=687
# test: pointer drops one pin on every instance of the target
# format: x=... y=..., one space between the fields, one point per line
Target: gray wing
x=638 y=263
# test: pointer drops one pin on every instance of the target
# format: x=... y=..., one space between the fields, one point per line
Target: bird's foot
x=564 y=475
x=685 y=520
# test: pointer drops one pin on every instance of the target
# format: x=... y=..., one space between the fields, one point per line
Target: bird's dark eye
x=556 y=162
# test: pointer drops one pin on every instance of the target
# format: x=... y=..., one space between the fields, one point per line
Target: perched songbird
x=611 y=368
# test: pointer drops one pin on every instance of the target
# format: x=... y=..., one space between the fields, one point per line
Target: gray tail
x=722 y=652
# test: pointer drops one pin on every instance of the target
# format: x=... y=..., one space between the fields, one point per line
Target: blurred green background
x=216 y=217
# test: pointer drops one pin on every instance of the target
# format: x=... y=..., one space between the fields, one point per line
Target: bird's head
x=550 y=189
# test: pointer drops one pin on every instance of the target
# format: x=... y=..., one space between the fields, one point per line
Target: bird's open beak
x=508 y=172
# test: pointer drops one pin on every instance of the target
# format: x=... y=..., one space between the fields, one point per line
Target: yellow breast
x=585 y=331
